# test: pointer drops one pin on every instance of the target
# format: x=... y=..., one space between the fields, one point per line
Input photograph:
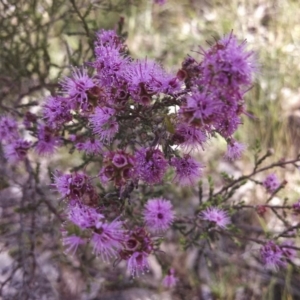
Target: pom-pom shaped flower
x=47 y=141
x=16 y=150
x=271 y=183
x=138 y=263
x=170 y=280
x=108 y=238
x=77 y=86
x=84 y=216
x=76 y=187
x=104 y=124
x=90 y=146
x=108 y=38
x=201 y=110
x=216 y=215
x=146 y=78
x=188 y=170
x=189 y=137
x=8 y=128
x=228 y=64
x=151 y=165
x=56 y=111
x=110 y=63
x=158 y=214
x=72 y=243
x=234 y=150
x=272 y=256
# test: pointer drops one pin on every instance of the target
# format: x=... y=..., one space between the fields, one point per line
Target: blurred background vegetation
x=41 y=39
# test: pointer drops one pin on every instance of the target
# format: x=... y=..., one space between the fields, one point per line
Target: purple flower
x=72 y=243
x=90 y=146
x=104 y=124
x=47 y=141
x=272 y=256
x=189 y=137
x=84 y=216
x=188 y=170
x=108 y=131
x=216 y=215
x=110 y=63
x=108 y=239
x=138 y=263
x=77 y=187
x=56 y=111
x=77 y=86
x=151 y=165
x=16 y=150
x=108 y=38
x=146 y=78
x=170 y=280
x=296 y=207
x=234 y=150
x=288 y=253
x=137 y=247
x=8 y=129
x=228 y=123
x=271 y=183
x=158 y=214
x=227 y=65
x=201 y=110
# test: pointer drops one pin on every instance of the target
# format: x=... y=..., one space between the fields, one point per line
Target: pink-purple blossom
x=189 y=137
x=188 y=170
x=72 y=242
x=296 y=207
x=234 y=150
x=138 y=263
x=56 y=111
x=47 y=142
x=272 y=256
x=76 y=186
x=158 y=214
x=104 y=124
x=169 y=281
x=84 y=216
x=108 y=238
x=271 y=183
x=8 y=128
x=151 y=165
x=90 y=146
x=16 y=150
x=216 y=215
x=77 y=86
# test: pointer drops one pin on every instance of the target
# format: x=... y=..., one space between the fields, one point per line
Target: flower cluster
x=275 y=256
x=216 y=216
x=217 y=86
x=271 y=183
x=117 y=111
x=117 y=167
